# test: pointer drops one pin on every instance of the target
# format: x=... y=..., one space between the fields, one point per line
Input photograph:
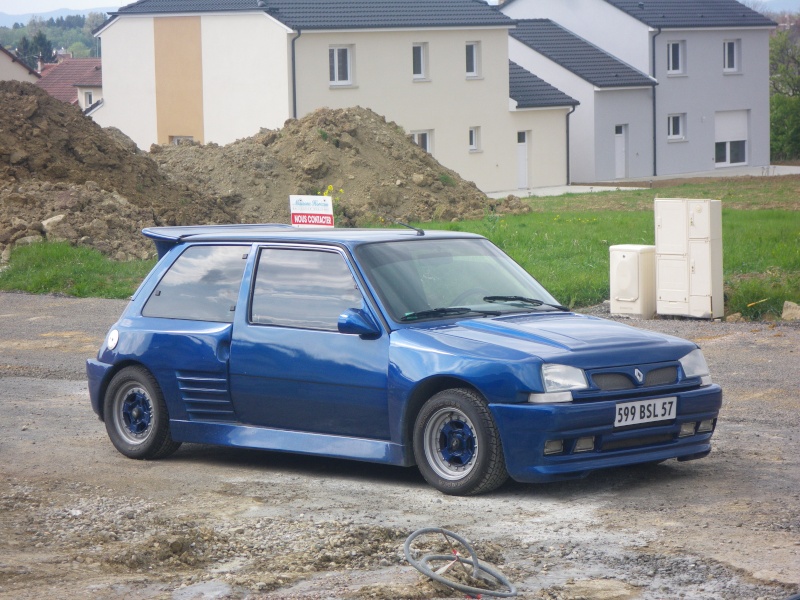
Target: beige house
x=176 y=69
x=13 y=69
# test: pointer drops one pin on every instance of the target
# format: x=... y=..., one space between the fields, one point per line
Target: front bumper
x=524 y=429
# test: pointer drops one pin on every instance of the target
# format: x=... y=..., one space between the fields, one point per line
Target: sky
x=20 y=7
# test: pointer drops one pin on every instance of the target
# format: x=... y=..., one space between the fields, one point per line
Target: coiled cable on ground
x=480 y=572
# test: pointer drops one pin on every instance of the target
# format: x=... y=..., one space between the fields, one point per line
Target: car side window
x=306 y=289
x=201 y=285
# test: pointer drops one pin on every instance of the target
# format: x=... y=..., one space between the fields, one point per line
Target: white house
x=215 y=72
x=611 y=131
x=710 y=58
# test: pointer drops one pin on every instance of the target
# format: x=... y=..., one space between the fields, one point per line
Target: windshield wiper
x=447 y=312
x=523 y=299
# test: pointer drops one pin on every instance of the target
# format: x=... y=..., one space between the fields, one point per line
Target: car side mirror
x=358 y=322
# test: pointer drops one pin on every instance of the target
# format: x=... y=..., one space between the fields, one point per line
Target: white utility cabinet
x=689 y=257
x=633 y=280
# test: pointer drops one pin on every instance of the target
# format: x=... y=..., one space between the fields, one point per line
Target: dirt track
x=78 y=520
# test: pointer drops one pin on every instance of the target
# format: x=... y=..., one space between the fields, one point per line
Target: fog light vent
x=584 y=444
x=554 y=446
x=706 y=426
x=687 y=429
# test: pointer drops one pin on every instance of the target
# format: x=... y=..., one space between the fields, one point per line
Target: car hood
x=568 y=337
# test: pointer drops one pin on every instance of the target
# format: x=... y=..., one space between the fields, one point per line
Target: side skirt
x=264 y=438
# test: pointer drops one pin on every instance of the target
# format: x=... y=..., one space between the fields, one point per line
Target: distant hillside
x=7 y=20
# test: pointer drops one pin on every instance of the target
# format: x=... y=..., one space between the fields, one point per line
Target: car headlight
x=694 y=365
x=558 y=382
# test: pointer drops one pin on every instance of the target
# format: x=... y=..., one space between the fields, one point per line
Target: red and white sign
x=311 y=211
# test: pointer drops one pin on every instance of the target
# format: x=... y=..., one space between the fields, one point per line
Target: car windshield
x=449 y=278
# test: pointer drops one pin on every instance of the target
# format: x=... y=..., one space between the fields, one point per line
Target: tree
x=35 y=25
x=92 y=22
x=25 y=52
x=784 y=69
x=43 y=47
x=79 y=50
x=784 y=64
x=784 y=127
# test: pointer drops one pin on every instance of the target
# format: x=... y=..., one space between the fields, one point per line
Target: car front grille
x=609 y=382
x=662 y=376
x=613 y=381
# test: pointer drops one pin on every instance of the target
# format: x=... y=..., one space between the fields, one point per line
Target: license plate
x=645 y=411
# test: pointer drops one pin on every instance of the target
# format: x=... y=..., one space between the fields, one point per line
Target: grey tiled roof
x=577 y=55
x=343 y=14
x=681 y=14
x=530 y=91
x=687 y=14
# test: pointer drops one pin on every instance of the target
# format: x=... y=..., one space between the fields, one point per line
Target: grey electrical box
x=689 y=257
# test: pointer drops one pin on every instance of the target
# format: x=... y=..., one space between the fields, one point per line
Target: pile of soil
x=63 y=177
x=373 y=170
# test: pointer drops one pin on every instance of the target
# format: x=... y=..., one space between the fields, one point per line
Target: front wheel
x=136 y=415
x=457 y=446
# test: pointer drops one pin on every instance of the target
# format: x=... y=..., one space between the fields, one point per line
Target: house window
x=87 y=98
x=340 y=65
x=176 y=140
x=730 y=56
x=419 y=61
x=676 y=127
x=676 y=58
x=423 y=139
x=473 y=59
x=730 y=153
x=474 y=139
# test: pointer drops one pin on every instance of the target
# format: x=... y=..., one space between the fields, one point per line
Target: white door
x=620 y=151
x=522 y=159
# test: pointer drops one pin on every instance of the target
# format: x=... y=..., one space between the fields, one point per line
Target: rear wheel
x=136 y=415
x=456 y=444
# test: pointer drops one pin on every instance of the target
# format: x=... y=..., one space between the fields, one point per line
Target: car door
x=290 y=367
x=185 y=327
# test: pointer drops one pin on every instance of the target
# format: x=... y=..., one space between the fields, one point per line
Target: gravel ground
x=78 y=520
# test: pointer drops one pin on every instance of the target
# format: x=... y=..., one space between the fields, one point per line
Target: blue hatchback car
x=398 y=346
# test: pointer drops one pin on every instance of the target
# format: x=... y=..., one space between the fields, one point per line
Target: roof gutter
x=655 y=125
x=572 y=110
x=294 y=74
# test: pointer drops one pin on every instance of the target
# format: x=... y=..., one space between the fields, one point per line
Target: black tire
x=136 y=416
x=457 y=446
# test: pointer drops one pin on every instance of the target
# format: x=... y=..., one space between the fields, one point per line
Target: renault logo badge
x=639 y=375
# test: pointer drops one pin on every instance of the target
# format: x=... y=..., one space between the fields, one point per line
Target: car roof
x=167 y=237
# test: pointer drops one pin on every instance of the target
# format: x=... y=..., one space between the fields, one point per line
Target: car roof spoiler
x=166 y=238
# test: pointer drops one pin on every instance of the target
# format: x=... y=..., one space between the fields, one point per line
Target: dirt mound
x=59 y=167
x=374 y=170
x=62 y=177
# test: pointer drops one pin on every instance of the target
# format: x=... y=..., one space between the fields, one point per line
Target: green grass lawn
x=564 y=243
x=58 y=268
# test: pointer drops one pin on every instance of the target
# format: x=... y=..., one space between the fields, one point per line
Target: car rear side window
x=307 y=289
x=201 y=285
